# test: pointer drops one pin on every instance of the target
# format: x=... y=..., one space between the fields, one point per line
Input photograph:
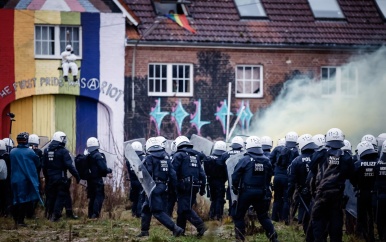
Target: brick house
x=177 y=80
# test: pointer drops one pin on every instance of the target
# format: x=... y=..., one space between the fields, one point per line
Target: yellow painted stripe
x=47 y=17
x=65 y=118
x=44 y=115
x=48 y=76
x=22 y=108
x=24 y=53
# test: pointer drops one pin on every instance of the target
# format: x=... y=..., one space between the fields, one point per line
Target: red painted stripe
x=75 y=6
x=36 y=4
x=7 y=65
x=185 y=23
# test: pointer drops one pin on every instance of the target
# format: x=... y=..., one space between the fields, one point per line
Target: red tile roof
x=288 y=23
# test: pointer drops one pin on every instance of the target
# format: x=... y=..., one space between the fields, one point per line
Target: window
x=170 y=80
x=250 y=8
x=339 y=81
x=249 y=81
x=326 y=9
x=50 y=41
x=382 y=6
x=163 y=7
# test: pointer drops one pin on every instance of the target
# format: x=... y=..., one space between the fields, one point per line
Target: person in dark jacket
x=191 y=180
x=297 y=175
x=135 y=185
x=5 y=185
x=380 y=191
x=95 y=185
x=332 y=167
x=250 y=181
x=363 y=180
x=217 y=175
x=157 y=163
x=24 y=179
x=56 y=162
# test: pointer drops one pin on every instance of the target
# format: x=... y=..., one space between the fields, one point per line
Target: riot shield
x=351 y=206
x=110 y=158
x=168 y=146
x=231 y=163
x=201 y=144
x=143 y=175
x=140 y=140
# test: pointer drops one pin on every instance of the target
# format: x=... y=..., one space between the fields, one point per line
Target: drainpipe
x=146 y=33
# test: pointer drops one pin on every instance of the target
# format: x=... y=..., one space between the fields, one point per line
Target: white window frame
x=340 y=80
x=328 y=6
x=57 y=42
x=260 y=94
x=169 y=80
x=257 y=3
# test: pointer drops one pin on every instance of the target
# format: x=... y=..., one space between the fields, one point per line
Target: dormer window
x=250 y=8
x=326 y=9
x=163 y=7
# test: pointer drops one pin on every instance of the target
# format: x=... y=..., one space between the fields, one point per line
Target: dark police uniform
x=190 y=179
x=380 y=190
x=217 y=175
x=56 y=162
x=135 y=187
x=252 y=174
x=95 y=185
x=363 y=181
x=333 y=168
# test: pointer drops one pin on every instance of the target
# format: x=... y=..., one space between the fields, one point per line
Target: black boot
x=273 y=237
x=70 y=214
x=143 y=234
x=75 y=78
x=65 y=78
x=201 y=229
x=177 y=231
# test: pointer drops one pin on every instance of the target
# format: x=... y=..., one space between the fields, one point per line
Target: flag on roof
x=182 y=21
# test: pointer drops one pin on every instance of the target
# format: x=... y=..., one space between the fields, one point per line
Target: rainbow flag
x=182 y=21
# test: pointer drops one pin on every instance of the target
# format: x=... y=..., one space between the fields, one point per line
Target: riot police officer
x=280 y=209
x=333 y=167
x=5 y=185
x=158 y=165
x=217 y=175
x=363 y=181
x=171 y=193
x=380 y=190
x=267 y=144
x=56 y=162
x=135 y=185
x=298 y=172
x=95 y=185
x=190 y=180
x=250 y=180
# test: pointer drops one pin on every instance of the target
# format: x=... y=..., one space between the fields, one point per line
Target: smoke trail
x=300 y=106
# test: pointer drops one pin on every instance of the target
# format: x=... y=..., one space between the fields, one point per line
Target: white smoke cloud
x=300 y=106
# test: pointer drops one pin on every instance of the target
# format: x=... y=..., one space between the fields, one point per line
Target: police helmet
x=365 y=148
x=281 y=142
x=381 y=138
x=319 y=140
x=33 y=139
x=162 y=140
x=335 y=138
x=182 y=141
x=347 y=145
x=371 y=138
x=237 y=142
x=291 y=139
x=253 y=145
x=60 y=136
x=8 y=142
x=92 y=144
x=219 y=147
x=2 y=145
x=384 y=146
x=153 y=144
x=306 y=143
x=266 y=142
x=22 y=138
x=137 y=146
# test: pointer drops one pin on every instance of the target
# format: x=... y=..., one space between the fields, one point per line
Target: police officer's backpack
x=82 y=164
x=3 y=170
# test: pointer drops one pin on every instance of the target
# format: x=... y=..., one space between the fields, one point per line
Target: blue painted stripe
x=23 y=4
x=89 y=7
x=86 y=122
x=90 y=73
